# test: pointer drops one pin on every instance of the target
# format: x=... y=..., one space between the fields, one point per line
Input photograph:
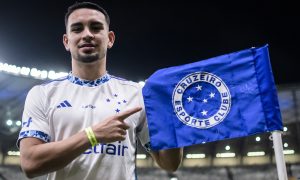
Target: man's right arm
x=39 y=158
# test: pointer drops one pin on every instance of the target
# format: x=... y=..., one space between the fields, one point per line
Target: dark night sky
x=154 y=34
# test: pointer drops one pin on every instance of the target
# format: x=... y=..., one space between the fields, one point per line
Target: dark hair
x=88 y=5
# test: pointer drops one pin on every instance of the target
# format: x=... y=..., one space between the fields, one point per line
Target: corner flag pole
x=279 y=156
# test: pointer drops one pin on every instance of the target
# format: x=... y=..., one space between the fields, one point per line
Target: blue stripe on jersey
x=33 y=133
x=67 y=103
x=62 y=105
x=82 y=82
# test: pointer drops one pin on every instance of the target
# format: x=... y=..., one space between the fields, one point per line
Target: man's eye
x=76 y=29
x=97 y=28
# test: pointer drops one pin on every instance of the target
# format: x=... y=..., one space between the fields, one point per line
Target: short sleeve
x=34 y=120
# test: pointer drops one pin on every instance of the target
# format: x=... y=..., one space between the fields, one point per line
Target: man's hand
x=114 y=128
x=38 y=158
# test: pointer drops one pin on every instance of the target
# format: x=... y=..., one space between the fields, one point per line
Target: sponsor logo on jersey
x=88 y=106
x=116 y=149
x=64 y=104
x=27 y=123
x=201 y=100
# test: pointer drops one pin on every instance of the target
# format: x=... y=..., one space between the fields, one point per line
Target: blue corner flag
x=224 y=97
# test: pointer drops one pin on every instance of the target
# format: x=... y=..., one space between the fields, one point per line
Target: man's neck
x=89 y=71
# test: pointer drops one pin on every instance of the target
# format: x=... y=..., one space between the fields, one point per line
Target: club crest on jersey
x=201 y=100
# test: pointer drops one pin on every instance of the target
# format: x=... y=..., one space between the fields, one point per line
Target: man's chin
x=88 y=58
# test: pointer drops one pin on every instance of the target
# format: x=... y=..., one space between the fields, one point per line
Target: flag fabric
x=228 y=96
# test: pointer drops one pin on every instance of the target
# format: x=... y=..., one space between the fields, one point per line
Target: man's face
x=88 y=36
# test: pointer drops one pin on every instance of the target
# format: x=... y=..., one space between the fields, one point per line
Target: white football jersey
x=64 y=107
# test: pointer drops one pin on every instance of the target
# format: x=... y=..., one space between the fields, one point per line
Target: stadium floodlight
x=13 y=153
x=9 y=122
x=25 y=71
x=141 y=156
x=18 y=123
x=195 y=156
x=54 y=75
x=257 y=153
x=4 y=67
x=51 y=74
x=1 y=66
x=225 y=155
x=61 y=74
x=13 y=69
x=35 y=72
x=44 y=74
x=288 y=151
x=257 y=139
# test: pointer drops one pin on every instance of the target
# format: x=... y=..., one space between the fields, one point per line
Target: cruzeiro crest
x=201 y=100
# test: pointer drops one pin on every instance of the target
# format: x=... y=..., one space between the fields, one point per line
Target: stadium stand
x=263 y=172
x=239 y=167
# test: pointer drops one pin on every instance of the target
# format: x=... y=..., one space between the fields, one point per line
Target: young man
x=84 y=126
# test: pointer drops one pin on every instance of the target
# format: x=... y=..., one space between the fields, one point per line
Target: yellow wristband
x=91 y=136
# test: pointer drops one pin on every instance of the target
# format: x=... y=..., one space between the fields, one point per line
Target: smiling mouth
x=87 y=46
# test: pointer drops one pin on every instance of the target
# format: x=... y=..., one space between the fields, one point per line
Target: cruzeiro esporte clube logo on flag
x=201 y=100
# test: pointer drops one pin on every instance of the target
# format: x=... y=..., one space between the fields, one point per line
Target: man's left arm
x=169 y=159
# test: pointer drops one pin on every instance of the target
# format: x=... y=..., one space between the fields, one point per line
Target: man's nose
x=87 y=34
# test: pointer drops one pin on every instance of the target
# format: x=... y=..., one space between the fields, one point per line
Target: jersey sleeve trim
x=35 y=134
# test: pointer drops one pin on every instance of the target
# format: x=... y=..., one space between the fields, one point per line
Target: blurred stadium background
x=153 y=35
x=250 y=158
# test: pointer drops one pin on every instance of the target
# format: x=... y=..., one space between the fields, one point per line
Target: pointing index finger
x=125 y=114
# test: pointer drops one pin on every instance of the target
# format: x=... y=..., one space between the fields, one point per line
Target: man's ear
x=111 y=38
x=66 y=42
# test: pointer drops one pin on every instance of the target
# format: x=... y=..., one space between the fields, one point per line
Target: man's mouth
x=87 y=45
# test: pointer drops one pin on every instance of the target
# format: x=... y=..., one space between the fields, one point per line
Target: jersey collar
x=90 y=83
